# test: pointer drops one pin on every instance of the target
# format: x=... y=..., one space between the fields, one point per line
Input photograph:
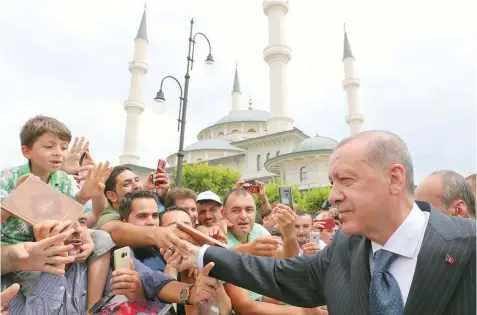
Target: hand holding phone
x=315 y=238
x=122 y=258
x=252 y=186
x=327 y=223
x=161 y=168
x=286 y=196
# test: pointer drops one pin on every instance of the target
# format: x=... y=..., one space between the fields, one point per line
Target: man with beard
x=208 y=208
x=303 y=227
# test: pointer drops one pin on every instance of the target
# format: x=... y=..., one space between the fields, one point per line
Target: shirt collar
x=52 y=180
x=404 y=240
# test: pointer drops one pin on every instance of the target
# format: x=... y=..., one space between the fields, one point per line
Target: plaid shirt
x=15 y=230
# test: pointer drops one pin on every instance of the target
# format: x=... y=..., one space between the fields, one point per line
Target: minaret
x=236 y=94
x=277 y=55
x=351 y=85
x=134 y=105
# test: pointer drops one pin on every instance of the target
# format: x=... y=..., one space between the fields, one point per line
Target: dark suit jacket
x=339 y=275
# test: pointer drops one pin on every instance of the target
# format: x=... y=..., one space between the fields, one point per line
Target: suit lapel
x=360 y=276
x=436 y=277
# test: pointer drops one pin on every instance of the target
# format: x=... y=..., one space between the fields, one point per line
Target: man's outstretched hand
x=182 y=254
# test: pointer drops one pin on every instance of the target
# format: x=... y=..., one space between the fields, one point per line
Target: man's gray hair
x=385 y=148
x=455 y=187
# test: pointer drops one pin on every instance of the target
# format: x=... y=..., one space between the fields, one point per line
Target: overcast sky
x=416 y=61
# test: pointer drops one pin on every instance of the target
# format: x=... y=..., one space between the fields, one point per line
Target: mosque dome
x=213 y=144
x=243 y=116
x=316 y=143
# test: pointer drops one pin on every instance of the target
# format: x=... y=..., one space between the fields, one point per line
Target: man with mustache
x=208 y=208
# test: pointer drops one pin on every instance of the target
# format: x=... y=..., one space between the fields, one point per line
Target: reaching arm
x=290 y=245
x=127 y=234
x=282 y=280
x=99 y=203
x=242 y=304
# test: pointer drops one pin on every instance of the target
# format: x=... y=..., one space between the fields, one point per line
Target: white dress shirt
x=406 y=242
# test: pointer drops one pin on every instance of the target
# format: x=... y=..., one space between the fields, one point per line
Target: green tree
x=314 y=198
x=202 y=177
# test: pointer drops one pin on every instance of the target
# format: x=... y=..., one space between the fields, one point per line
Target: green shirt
x=256 y=231
x=15 y=230
x=109 y=214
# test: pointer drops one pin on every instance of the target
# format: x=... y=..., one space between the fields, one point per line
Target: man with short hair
x=208 y=208
x=449 y=192
x=139 y=207
x=472 y=182
x=389 y=253
x=122 y=181
x=183 y=197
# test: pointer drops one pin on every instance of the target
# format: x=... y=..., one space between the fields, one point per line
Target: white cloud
x=416 y=62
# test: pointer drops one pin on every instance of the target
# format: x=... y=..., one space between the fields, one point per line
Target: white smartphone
x=122 y=258
x=315 y=238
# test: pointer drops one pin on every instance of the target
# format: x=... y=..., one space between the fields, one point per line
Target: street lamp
x=159 y=106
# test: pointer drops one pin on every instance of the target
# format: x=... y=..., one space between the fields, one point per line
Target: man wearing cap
x=208 y=208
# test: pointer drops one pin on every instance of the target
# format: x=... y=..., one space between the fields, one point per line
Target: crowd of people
x=271 y=265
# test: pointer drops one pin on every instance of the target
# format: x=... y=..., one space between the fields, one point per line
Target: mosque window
x=259 y=162
x=220 y=134
x=234 y=131
x=268 y=156
x=251 y=130
x=303 y=174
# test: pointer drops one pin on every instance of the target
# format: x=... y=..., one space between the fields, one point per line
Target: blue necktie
x=384 y=294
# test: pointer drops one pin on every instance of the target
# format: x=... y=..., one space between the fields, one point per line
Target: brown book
x=200 y=237
x=34 y=201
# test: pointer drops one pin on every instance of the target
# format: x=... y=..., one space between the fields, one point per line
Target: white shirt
x=406 y=241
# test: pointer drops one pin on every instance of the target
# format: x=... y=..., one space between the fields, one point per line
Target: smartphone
x=327 y=223
x=161 y=164
x=98 y=306
x=315 y=238
x=122 y=258
x=252 y=186
x=286 y=196
x=82 y=159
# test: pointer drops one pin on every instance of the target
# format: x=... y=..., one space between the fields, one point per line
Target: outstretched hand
x=205 y=287
x=71 y=161
x=94 y=183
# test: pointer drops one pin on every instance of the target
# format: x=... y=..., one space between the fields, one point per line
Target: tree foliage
x=314 y=198
x=202 y=177
x=220 y=179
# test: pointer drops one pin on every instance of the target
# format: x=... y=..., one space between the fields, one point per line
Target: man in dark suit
x=393 y=255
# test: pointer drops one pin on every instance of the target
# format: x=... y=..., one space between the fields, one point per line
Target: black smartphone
x=82 y=159
x=98 y=306
x=286 y=195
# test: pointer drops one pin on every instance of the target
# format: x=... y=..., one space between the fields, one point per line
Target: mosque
x=261 y=145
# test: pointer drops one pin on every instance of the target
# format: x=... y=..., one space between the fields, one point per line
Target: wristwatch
x=185 y=294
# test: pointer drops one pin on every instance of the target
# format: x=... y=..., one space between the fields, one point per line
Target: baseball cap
x=208 y=195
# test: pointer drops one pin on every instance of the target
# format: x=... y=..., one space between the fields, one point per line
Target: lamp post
x=184 y=96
